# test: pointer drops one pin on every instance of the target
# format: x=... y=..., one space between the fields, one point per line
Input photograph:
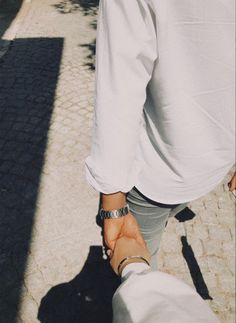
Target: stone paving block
x=217 y=265
x=174 y=261
x=197 y=246
x=211 y=204
x=198 y=232
x=224 y=202
x=225 y=282
x=209 y=217
x=221 y=233
x=213 y=247
x=211 y=280
x=226 y=216
x=171 y=243
x=220 y=303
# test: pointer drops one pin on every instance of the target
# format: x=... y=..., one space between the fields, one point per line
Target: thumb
x=110 y=244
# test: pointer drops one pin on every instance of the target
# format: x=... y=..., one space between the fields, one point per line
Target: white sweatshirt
x=155 y=297
x=164 y=114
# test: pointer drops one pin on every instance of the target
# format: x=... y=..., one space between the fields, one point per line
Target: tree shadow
x=88 y=7
x=28 y=79
x=87 y=298
x=8 y=11
x=188 y=254
x=90 y=57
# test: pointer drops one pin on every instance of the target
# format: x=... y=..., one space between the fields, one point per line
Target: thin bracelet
x=131 y=257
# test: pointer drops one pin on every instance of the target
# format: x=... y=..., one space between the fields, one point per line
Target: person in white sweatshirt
x=164 y=122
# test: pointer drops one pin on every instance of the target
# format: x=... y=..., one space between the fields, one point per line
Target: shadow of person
x=185 y=215
x=188 y=253
x=86 y=298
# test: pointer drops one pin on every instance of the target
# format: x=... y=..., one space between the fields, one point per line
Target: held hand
x=112 y=231
x=232 y=183
x=124 y=226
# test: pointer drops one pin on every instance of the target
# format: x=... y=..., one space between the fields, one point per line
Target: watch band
x=114 y=214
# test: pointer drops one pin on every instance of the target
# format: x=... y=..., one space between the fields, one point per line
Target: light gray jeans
x=152 y=218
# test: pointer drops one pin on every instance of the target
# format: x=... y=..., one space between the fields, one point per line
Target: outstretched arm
x=125 y=56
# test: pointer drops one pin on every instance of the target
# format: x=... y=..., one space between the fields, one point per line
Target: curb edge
x=11 y=32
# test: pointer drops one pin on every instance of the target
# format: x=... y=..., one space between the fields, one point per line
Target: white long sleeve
x=126 y=51
x=157 y=297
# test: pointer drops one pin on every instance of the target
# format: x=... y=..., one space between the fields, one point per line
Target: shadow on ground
x=90 y=57
x=28 y=78
x=8 y=11
x=88 y=7
x=87 y=298
x=188 y=254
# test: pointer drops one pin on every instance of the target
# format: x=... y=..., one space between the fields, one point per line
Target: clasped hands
x=125 y=226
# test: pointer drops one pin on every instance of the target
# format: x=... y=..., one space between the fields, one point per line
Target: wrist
x=113 y=201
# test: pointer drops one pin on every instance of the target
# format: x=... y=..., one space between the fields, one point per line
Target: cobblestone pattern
x=211 y=235
x=47 y=210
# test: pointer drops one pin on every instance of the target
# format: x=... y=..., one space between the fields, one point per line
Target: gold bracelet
x=131 y=257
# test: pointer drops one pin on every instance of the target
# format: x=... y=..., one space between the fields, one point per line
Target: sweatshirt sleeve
x=125 y=56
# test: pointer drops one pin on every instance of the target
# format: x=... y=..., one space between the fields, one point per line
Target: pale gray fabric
x=157 y=297
x=152 y=218
x=164 y=101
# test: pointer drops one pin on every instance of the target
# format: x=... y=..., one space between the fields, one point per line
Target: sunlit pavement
x=48 y=227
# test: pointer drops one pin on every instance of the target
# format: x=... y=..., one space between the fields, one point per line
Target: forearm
x=113 y=201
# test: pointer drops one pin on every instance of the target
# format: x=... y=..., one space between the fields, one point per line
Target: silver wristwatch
x=114 y=214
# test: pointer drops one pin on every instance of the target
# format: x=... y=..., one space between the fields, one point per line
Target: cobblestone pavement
x=51 y=267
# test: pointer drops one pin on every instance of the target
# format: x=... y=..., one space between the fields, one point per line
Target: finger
x=109 y=253
x=231 y=186
x=110 y=244
x=232 y=183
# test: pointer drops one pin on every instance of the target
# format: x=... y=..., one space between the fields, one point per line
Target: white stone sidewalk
x=64 y=223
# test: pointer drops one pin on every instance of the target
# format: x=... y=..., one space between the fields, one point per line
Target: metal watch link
x=114 y=214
